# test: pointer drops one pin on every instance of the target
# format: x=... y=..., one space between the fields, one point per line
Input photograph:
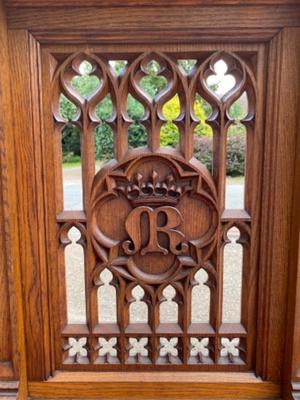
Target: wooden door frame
x=22 y=34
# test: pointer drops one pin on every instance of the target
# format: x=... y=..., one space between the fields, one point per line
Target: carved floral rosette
x=154 y=217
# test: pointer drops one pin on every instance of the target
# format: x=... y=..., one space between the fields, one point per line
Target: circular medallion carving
x=153 y=217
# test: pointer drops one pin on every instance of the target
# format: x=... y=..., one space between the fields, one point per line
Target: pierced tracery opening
x=85 y=83
x=107 y=350
x=168 y=307
x=138 y=311
x=75 y=279
x=118 y=66
x=152 y=81
x=232 y=277
x=75 y=350
x=107 y=298
x=200 y=298
x=236 y=153
x=201 y=350
x=167 y=252
x=219 y=79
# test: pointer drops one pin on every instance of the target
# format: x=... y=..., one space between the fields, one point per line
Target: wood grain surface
x=46 y=36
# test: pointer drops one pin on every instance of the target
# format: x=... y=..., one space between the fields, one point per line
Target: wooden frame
x=26 y=261
x=55 y=52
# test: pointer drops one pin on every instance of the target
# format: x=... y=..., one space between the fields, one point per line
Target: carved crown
x=151 y=191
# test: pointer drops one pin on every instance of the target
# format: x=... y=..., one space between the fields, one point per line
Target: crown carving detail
x=153 y=192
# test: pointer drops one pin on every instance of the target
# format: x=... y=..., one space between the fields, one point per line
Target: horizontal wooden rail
x=163 y=385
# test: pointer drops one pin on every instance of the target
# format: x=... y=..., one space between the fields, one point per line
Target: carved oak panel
x=154 y=217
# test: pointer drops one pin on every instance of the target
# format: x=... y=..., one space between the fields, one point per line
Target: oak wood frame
x=238 y=219
x=282 y=100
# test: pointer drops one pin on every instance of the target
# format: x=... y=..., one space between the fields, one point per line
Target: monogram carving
x=134 y=230
x=152 y=204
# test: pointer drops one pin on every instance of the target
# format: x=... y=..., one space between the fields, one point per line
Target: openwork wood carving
x=154 y=238
x=155 y=216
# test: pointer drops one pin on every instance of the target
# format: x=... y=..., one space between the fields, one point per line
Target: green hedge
x=236 y=150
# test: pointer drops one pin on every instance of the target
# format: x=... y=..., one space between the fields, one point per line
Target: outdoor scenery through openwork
x=153 y=164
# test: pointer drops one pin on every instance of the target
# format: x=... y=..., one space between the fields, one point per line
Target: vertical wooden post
x=292 y=360
x=280 y=136
x=12 y=346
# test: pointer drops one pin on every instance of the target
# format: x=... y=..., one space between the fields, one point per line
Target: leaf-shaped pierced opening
x=153 y=82
x=138 y=292
x=106 y=276
x=105 y=109
x=135 y=109
x=104 y=143
x=239 y=109
x=67 y=109
x=118 y=66
x=74 y=234
x=219 y=82
x=187 y=66
x=85 y=84
x=169 y=135
x=233 y=234
x=137 y=135
x=171 y=109
x=169 y=292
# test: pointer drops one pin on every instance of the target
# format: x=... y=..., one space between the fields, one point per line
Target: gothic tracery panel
x=153 y=217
